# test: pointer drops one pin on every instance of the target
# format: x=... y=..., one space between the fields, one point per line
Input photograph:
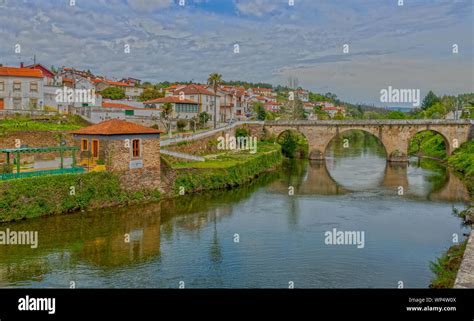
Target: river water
x=259 y=235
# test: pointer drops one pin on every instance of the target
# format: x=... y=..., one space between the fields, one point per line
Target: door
x=95 y=148
x=1 y=103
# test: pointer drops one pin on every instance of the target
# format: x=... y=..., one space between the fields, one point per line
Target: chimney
x=21 y=64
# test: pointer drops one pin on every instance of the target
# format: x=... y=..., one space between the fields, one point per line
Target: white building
x=21 y=89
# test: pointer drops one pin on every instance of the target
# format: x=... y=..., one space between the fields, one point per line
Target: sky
x=405 y=47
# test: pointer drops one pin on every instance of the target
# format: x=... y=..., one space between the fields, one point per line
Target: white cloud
x=149 y=5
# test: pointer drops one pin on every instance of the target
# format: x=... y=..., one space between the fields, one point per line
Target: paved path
x=170 y=141
x=182 y=155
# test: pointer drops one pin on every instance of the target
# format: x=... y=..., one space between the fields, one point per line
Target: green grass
x=53 y=124
x=225 y=171
x=446 y=267
x=226 y=159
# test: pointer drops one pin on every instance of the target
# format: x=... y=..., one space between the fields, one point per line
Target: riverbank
x=59 y=194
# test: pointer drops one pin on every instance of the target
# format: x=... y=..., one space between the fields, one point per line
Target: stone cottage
x=129 y=149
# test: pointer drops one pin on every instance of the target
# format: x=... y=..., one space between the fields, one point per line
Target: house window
x=34 y=103
x=84 y=145
x=16 y=103
x=34 y=87
x=136 y=148
x=17 y=86
x=2 y=86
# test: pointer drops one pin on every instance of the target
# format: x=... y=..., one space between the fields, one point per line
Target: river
x=259 y=235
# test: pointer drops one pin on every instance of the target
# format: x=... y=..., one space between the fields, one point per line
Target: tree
x=113 y=93
x=259 y=110
x=429 y=100
x=338 y=116
x=298 y=110
x=181 y=124
x=150 y=94
x=215 y=80
x=166 y=112
x=436 y=111
x=396 y=114
x=204 y=118
x=372 y=115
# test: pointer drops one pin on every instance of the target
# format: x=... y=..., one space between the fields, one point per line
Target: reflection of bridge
x=317 y=180
x=395 y=135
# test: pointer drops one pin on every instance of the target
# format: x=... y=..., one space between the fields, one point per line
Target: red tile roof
x=20 y=72
x=116 y=127
x=170 y=99
x=193 y=90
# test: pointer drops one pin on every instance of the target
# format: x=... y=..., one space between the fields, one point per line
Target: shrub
x=181 y=124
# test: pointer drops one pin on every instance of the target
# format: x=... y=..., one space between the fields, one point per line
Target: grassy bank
x=446 y=268
x=225 y=170
x=53 y=123
x=49 y=195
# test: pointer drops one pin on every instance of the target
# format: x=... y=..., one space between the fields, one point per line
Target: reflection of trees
x=307 y=178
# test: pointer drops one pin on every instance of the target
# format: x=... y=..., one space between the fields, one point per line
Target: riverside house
x=131 y=150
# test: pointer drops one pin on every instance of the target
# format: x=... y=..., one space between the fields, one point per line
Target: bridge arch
x=301 y=146
x=447 y=144
x=341 y=133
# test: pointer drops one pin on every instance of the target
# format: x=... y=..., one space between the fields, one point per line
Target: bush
x=293 y=144
x=216 y=178
x=181 y=124
x=6 y=168
x=241 y=132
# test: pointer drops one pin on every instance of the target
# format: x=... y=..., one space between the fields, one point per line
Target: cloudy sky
x=409 y=46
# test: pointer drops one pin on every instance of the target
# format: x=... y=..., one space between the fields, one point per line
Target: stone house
x=131 y=150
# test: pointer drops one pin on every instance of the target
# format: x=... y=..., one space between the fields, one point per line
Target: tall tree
x=215 y=80
x=166 y=112
x=429 y=100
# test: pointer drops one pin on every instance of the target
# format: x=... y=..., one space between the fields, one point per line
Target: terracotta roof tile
x=116 y=127
x=20 y=72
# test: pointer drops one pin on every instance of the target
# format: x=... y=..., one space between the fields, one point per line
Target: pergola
x=33 y=150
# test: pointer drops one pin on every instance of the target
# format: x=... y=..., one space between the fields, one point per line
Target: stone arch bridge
x=395 y=135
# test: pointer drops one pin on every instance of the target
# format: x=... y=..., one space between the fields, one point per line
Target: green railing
x=42 y=173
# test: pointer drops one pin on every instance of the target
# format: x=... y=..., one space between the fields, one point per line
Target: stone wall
x=35 y=139
x=118 y=157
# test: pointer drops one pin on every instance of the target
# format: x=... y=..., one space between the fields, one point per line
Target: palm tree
x=215 y=80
